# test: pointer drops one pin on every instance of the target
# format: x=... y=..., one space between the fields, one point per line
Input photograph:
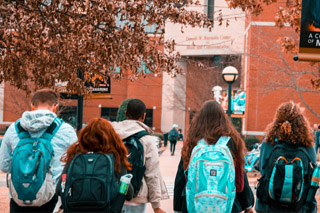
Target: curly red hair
x=100 y=137
x=291 y=125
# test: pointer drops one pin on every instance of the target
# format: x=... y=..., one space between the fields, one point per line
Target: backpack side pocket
x=262 y=189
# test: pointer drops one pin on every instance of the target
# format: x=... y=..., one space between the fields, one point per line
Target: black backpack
x=286 y=182
x=136 y=156
x=90 y=183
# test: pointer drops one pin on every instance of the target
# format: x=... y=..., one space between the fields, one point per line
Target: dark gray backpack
x=90 y=183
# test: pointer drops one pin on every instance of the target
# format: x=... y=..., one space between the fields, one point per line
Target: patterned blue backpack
x=211 y=178
x=30 y=179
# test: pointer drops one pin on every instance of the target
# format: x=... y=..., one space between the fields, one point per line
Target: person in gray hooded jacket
x=36 y=122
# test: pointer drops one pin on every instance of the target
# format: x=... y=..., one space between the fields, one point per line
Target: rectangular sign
x=98 y=84
x=238 y=100
x=100 y=88
x=309 y=47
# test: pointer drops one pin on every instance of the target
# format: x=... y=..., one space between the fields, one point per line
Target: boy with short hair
x=35 y=123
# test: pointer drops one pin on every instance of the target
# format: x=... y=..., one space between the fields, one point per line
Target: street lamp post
x=229 y=75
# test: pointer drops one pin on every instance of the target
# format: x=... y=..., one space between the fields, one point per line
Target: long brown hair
x=99 y=136
x=290 y=124
x=210 y=123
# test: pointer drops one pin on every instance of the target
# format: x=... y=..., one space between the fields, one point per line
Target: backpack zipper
x=45 y=146
x=37 y=167
x=210 y=195
x=24 y=144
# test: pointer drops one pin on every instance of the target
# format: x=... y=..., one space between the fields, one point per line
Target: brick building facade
x=267 y=75
x=271 y=76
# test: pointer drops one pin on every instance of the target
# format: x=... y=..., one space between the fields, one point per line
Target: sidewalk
x=4 y=197
x=168 y=166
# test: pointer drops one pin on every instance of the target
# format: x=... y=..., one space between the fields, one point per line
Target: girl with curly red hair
x=290 y=136
x=99 y=137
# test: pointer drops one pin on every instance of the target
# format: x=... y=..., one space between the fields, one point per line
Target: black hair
x=135 y=109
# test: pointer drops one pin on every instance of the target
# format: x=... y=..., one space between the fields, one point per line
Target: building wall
x=272 y=76
x=268 y=76
x=148 y=89
x=201 y=45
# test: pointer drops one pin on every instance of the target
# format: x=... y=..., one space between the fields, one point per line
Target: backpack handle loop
x=283 y=158
x=296 y=158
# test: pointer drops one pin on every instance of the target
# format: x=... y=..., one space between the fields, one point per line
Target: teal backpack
x=30 y=179
x=211 y=178
x=173 y=135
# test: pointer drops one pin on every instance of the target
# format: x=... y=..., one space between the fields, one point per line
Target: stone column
x=174 y=100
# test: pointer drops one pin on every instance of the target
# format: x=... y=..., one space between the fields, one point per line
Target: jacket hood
x=127 y=128
x=37 y=120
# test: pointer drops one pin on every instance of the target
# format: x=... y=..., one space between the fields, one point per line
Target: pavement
x=168 y=167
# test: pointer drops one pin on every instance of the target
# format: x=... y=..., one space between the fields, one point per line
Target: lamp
x=229 y=75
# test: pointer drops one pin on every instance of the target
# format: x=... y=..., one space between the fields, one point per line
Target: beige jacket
x=153 y=188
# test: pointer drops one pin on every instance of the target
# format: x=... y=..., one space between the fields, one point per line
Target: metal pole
x=229 y=100
x=80 y=105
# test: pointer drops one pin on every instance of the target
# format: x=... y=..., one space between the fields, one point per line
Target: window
x=149 y=118
x=69 y=115
x=210 y=10
x=144 y=67
x=109 y=113
x=217 y=60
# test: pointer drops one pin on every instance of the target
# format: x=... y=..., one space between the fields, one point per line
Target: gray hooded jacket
x=36 y=122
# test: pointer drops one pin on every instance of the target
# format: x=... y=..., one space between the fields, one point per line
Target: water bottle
x=314 y=185
x=117 y=205
x=125 y=182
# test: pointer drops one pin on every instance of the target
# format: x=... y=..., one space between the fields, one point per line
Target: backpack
x=90 y=183
x=173 y=134
x=30 y=179
x=288 y=172
x=211 y=178
x=136 y=158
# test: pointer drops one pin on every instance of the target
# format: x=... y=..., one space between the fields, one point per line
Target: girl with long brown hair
x=288 y=137
x=210 y=123
x=99 y=137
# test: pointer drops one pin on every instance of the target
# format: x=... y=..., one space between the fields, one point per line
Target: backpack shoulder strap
x=141 y=134
x=223 y=140
x=52 y=129
x=21 y=132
